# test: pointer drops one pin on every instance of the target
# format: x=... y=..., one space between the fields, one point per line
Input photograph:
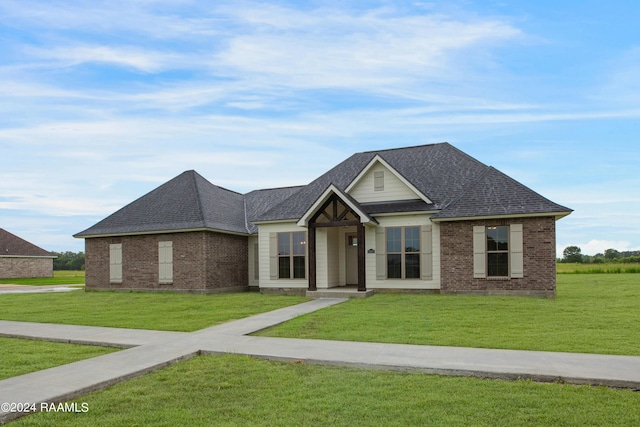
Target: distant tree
x=611 y=254
x=572 y=254
x=68 y=261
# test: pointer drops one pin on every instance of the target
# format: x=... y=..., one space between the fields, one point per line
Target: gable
x=345 y=207
x=380 y=183
x=14 y=246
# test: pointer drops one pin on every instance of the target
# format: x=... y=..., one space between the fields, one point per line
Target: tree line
x=574 y=254
x=68 y=261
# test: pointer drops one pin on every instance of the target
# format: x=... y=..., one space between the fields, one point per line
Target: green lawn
x=60 y=277
x=606 y=268
x=18 y=356
x=162 y=311
x=240 y=391
x=594 y=313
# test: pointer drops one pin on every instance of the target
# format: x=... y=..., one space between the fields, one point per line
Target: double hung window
x=403 y=252
x=497 y=251
x=291 y=255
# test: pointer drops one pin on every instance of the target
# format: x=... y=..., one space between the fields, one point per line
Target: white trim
x=332 y=189
x=274 y=221
x=378 y=159
x=557 y=215
x=405 y=213
x=29 y=256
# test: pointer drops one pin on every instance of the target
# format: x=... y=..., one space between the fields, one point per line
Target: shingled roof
x=496 y=194
x=14 y=246
x=187 y=202
x=457 y=185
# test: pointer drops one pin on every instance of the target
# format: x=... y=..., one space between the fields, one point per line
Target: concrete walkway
x=30 y=289
x=150 y=350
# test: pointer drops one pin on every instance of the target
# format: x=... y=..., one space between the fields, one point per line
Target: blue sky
x=102 y=101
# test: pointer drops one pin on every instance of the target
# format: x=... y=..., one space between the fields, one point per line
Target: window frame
x=292 y=256
x=403 y=252
x=498 y=251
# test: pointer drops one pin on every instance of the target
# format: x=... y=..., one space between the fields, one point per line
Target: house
x=426 y=219
x=21 y=259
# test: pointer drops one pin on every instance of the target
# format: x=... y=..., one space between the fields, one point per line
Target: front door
x=351 y=260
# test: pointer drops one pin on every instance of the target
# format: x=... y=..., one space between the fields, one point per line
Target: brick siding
x=14 y=268
x=203 y=262
x=539 y=250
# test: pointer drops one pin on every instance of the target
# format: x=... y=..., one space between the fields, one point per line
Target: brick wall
x=539 y=251
x=202 y=262
x=14 y=268
x=227 y=261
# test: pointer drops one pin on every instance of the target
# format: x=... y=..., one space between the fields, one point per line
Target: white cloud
x=338 y=49
x=143 y=60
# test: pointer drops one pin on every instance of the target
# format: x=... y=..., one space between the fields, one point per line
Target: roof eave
x=167 y=231
x=29 y=256
x=557 y=215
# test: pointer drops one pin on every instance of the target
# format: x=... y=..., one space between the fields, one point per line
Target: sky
x=103 y=101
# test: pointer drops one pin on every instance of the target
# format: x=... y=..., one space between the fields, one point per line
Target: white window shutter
x=381 y=254
x=256 y=261
x=165 y=262
x=115 y=263
x=516 y=252
x=426 y=246
x=273 y=256
x=479 y=252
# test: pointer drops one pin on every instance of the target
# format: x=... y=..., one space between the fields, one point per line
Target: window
x=403 y=253
x=291 y=255
x=378 y=181
x=497 y=251
x=115 y=263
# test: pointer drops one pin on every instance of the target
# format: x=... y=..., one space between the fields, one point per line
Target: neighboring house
x=21 y=259
x=425 y=218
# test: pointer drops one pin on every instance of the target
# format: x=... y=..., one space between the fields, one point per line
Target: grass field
x=240 y=391
x=594 y=313
x=60 y=277
x=608 y=268
x=20 y=356
x=162 y=311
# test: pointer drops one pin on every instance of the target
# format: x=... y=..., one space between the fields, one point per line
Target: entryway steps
x=341 y=292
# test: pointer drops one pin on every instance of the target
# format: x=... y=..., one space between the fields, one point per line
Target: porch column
x=362 y=285
x=312 y=257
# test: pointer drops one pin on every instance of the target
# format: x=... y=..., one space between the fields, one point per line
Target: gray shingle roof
x=12 y=245
x=439 y=171
x=496 y=194
x=188 y=201
x=458 y=186
x=259 y=201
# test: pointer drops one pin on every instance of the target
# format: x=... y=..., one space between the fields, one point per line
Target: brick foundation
x=539 y=250
x=203 y=262
x=15 y=267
